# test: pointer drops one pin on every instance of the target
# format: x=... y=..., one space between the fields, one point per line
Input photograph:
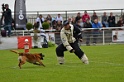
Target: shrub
x=29 y=26
x=45 y=25
x=50 y=44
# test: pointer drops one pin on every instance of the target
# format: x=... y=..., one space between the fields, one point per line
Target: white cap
x=26 y=40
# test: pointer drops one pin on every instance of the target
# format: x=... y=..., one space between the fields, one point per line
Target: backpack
x=3 y=33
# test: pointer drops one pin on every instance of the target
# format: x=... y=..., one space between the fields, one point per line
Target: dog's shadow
x=27 y=67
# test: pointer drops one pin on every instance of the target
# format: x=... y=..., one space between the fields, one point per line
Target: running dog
x=29 y=57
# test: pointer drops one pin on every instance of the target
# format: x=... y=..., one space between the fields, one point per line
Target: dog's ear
x=42 y=55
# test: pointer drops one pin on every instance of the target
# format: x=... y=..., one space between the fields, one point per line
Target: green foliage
x=29 y=26
x=45 y=25
x=106 y=65
x=50 y=44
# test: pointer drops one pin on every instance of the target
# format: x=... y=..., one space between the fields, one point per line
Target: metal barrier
x=104 y=36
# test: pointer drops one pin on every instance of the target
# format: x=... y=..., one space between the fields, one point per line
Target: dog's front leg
x=41 y=63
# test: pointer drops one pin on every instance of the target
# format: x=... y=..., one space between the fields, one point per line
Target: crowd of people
x=84 y=21
x=106 y=21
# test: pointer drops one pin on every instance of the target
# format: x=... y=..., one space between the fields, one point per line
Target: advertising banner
x=20 y=14
x=118 y=36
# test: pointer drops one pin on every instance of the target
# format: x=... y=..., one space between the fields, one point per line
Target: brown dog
x=29 y=57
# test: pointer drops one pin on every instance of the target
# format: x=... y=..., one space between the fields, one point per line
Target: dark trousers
x=78 y=52
x=88 y=34
x=8 y=27
x=95 y=35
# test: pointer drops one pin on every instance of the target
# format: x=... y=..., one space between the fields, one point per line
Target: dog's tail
x=14 y=51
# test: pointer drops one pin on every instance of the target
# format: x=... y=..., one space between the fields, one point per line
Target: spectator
x=120 y=23
x=70 y=20
x=111 y=20
x=49 y=18
x=59 y=18
x=87 y=24
x=40 y=19
x=73 y=20
x=78 y=17
x=85 y=17
x=8 y=19
x=80 y=23
x=59 y=25
x=104 y=20
x=54 y=23
x=93 y=17
x=96 y=25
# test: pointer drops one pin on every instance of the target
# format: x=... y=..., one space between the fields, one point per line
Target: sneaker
x=60 y=60
x=94 y=44
x=85 y=59
x=35 y=46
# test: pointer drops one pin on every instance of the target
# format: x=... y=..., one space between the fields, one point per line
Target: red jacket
x=84 y=17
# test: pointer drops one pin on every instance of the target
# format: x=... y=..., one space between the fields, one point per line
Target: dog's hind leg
x=21 y=63
x=36 y=63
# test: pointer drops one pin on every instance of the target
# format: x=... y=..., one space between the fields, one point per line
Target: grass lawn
x=106 y=65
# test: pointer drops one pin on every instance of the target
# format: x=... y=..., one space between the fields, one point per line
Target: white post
x=23 y=33
x=103 y=37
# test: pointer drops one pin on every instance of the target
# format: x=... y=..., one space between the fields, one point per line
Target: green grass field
x=106 y=65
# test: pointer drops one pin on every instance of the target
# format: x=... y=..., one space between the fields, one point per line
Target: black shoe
x=60 y=63
x=35 y=46
x=87 y=44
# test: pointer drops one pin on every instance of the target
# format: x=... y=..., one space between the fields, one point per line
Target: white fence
x=105 y=35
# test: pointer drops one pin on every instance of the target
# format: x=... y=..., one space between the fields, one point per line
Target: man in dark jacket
x=69 y=43
x=87 y=24
x=111 y=20
x=78 y=17
x=77 y=25
x=8 y=19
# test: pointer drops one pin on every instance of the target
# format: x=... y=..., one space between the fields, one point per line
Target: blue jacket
x=96 y=25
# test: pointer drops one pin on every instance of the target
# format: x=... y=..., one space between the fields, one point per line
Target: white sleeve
x=61 y=19
x=65 y=41
x=43 y=19
x=37 y=20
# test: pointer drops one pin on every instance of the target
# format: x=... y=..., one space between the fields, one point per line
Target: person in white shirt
x=40 y=19
x=59 y=18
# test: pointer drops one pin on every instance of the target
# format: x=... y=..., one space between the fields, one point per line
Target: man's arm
x=65 y=41
x=78 y=32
